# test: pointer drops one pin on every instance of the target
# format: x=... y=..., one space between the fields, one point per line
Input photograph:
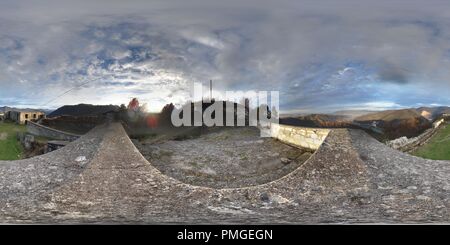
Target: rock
x=285 y=160
x=280 y=200
x=423 y=198
x=80 y=159
x=264 y=197
x=399 y=142
x=28 y=142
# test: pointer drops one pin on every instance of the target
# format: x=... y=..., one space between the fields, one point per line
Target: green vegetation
x=438 y=148
x=10 y=147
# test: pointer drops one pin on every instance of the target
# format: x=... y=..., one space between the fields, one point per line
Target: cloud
x=391 y=73
x=317 y=54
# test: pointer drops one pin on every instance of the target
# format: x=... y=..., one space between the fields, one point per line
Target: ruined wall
x=310 y=138
x=406 y=144
x=22 y=117
x=40 y=130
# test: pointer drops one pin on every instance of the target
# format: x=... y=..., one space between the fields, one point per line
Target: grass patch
x=10 y=147
x=438 y=147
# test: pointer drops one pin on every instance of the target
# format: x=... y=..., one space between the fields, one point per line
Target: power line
x=68 y=91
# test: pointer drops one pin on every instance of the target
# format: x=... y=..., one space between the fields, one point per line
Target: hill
x=83 y=110
x=396 y=123
x=389 y=115
x=7 y=108
x=4 y=108
x=318 y=121
x=432 y=113
x=383 y=125
x=353 y=113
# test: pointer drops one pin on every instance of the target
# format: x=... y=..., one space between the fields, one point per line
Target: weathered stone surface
x=310 y=138
x=41 y=130
x=350 y=178
x=229 y=157
x=28 y=141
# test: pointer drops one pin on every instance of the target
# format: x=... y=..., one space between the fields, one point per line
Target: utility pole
x=210 y=90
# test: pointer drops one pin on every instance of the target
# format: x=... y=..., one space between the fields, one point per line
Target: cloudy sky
x=320 y=55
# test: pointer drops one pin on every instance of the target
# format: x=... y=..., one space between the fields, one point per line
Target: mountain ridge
x=83 y=110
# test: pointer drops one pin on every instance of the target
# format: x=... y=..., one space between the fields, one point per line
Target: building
x=2 y=116
x=21 y=116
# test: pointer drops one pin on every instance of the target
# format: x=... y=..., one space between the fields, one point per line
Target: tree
x=133 y=105
x=165 y=115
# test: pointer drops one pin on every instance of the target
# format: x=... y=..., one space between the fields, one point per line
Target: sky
x=322 y=55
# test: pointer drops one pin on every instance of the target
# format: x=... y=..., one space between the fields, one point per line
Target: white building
x=22 y=116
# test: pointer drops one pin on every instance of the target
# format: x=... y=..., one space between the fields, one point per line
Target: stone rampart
x=40 y=130
x=310 y=138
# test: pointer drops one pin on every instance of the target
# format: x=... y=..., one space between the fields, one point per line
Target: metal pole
x=210 y=90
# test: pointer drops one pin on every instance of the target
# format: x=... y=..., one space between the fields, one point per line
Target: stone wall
x=405 y=144
x=438 y=123
x=310 y=138
x=40 y=130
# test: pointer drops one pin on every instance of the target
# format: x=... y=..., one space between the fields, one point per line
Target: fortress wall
x=405 y=144
x=310 y=138
x=40 y=130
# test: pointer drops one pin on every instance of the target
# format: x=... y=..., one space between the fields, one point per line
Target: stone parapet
x=40 y=130
x=310 y=138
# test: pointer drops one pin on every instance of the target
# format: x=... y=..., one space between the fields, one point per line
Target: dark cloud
x=394 y=74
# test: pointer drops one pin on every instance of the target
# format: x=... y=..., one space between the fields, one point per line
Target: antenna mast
x=210 y=90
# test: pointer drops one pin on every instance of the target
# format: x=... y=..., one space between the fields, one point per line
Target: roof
x=27 y=111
